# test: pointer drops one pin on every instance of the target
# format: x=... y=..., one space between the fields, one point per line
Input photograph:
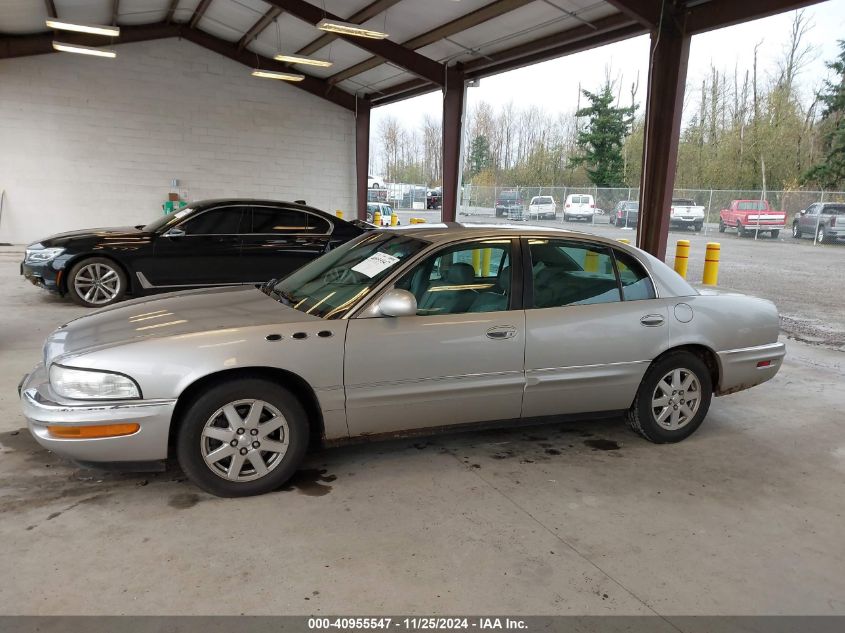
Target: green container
x=173 y=205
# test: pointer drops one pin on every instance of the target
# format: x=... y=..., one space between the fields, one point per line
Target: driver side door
x=459 y=360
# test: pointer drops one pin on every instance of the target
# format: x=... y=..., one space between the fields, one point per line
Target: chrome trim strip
x=778 y=346
x=146 y=284
x=631 y=362
x=390 y=383
x=35 y=399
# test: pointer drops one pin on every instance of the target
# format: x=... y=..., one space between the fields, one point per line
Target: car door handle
x=652 y=320
x=501 y=332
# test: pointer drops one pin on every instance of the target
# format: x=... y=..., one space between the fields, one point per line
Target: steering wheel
x=340 y=276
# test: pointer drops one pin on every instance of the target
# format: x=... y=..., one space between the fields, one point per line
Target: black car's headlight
x=42 y=255
x=90 y=384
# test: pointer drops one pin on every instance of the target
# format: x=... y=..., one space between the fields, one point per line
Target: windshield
x=167 y=220
x=330 y=285
x=543 y=200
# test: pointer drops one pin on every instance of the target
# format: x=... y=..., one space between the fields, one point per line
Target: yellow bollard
x=417 y=220
x=394 y=219
x=711 y=264
x=485 y=261
x=339 y=214
x=682 y=257
x=591 y=262
x=624 y=240
x=476 y=261
x=377 y=218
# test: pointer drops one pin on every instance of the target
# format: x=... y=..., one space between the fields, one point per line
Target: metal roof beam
x=202 y=7
x=256 y=29
x=716 y=14
x=368 y=12
x=41 y=43
x=51 y=9
x=115 y=11
x=644 y=12
x=391 y=51
x=171 y=10
x=467 y=21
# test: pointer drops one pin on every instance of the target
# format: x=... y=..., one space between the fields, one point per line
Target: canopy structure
x=430 y=46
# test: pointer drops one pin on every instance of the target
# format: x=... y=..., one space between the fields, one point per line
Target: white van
x=579 y=206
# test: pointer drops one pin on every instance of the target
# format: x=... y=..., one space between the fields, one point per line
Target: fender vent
x=299 y=335
x=324 y=333
x=273 y=337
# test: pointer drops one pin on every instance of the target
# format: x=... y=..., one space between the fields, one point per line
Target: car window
x=752 y=206
x=835 y=209
x=543 y=200
x=463 y=278
x=569 y=273
x=813 y=210
x=272 y=220
x=635 y=282
x=318 y=225
x=220 y=221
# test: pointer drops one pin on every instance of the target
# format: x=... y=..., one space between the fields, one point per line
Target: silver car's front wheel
x=676 y=398
x=245 y=436
x=244 y=440
x=673 y=398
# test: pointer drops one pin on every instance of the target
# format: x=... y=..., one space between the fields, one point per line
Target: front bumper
x=739 y=368
x=42 y=408
x=685 y=221
x=43 y=275
x=765 y=226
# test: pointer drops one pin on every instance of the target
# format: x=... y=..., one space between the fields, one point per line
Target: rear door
x=282 y=239
x=459 y=360
x=209 y=252
x=590 y=332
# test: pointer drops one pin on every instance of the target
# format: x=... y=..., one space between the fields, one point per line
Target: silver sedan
x=398 y=330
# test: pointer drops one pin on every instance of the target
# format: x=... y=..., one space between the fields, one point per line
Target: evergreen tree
x=601 y=141
x=830 y=172
x=479 y=155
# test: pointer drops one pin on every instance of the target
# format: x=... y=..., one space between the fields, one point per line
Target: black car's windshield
x=167 y=220
x=330 y=285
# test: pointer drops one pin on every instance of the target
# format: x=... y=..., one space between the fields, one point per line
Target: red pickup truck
x=752 y=216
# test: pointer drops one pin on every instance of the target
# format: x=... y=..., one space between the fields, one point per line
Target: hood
x=62 y=239
x=172 y=315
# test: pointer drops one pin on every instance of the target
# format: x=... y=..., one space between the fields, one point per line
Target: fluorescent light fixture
x=272 y=74
x=303 y=59
x=347 y=28
x=83 y=50
x=94 y=29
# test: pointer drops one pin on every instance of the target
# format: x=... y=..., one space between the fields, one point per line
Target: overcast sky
x=554 y=84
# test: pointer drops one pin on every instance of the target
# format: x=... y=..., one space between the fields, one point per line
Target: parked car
x=685 y=214
x=507 y=202
x=434 y=198
x=579 y=206
x=751 y=217
x=236 y=381
x=542 y=208
x=375 y=182
x=208 y=243
x=625 y=214
x=385 y=210
x=823 y=220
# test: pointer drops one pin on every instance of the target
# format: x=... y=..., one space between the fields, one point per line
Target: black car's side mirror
x=802 y=212
x=174 y=232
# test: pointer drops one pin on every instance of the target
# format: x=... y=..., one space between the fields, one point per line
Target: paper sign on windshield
x=375 y=264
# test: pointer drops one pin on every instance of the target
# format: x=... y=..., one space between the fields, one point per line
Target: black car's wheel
x=774 y=233
x=96 y=282
x=673 y=398
x=722 y=226
x=796 y=231
x=241 y=438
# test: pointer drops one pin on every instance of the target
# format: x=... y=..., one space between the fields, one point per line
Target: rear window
x=580 y=199
x=543 y=200
x=751 y=205
x=508 y=195
x=835 y=209
x=683 y=202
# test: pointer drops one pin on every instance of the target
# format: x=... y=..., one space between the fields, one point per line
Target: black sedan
x=209 y=243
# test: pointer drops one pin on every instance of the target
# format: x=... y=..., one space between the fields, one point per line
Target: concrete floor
x=745 y=517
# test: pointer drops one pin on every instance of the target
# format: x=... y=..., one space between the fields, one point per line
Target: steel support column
x=453 y=112
x=362 y=154
x=664 y=104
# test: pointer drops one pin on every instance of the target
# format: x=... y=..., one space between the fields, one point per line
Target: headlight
x=87 y=384
x=42 y=255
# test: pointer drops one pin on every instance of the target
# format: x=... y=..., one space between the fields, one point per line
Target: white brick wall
x=88 y=142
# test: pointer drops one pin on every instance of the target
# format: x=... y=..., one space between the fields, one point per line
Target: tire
x=796 y=231
x=565 y=217
x=722 y=226
x=774 y=234
x=820 y=236
x=641 y=416
x=96 y=282
x=697 y=227
x=207 y=412
x=741 y=231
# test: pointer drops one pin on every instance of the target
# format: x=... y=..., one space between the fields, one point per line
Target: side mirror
x=397 y=303
x=174 y=232
x=802 y=212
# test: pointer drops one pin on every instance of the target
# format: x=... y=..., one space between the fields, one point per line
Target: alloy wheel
x=676 y=399
x=97 y=283
x=244 y=440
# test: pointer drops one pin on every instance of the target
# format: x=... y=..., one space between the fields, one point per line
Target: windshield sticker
x=375 y=264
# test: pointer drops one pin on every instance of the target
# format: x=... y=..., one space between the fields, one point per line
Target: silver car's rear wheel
x=244 y=440
x=242 y=436
x=673 y=397
x=676 y=399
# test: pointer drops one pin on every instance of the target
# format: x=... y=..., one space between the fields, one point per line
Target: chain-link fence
x=401 y=196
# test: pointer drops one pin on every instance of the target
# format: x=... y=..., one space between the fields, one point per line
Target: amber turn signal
x=93 y=432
